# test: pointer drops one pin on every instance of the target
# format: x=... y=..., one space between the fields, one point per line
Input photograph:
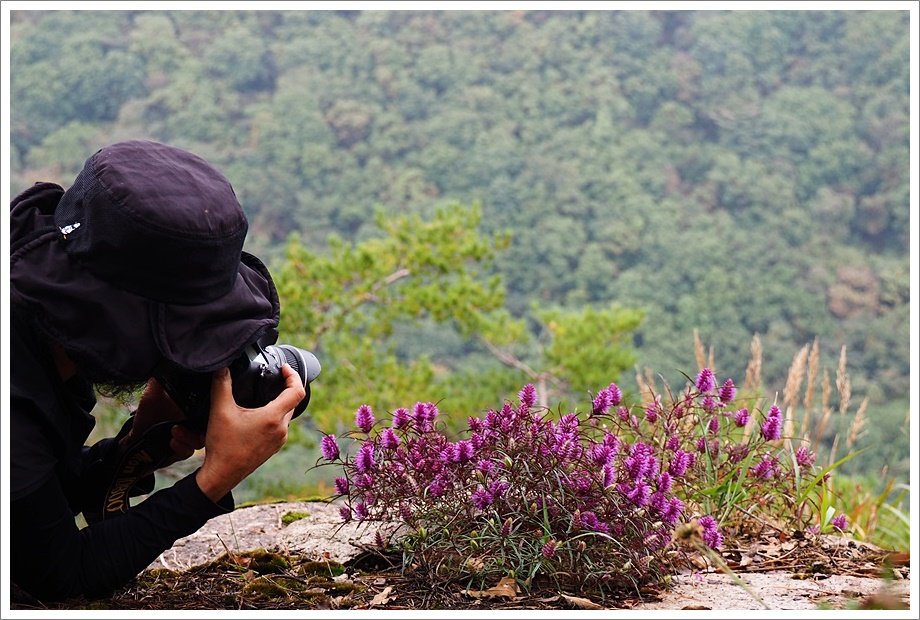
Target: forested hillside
x=738 y=173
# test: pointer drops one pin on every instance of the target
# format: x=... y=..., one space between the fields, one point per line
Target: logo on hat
x=69 y=228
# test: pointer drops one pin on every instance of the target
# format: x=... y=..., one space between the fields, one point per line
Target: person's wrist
x=214 y=487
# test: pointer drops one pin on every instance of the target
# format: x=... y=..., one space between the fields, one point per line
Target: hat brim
x=127 y=335
x=209 y=336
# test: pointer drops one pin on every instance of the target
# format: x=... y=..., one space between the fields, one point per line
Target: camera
x=256 y=375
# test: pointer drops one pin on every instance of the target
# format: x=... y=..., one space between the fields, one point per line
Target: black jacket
x=54 y=477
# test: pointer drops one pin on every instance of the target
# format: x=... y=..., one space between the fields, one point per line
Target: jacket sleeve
x=53 y=559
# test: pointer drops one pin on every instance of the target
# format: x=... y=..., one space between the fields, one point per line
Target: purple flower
x=714 y=424
x=615 y=394
x=658 y=502
x=705 y=381
x=840 y=522
x=601 y=403
x=481 y=498
x=589 y=521
x=665 y=482
x=638 y=463
x=485 y=466
x=742 y=416
x=341 y=485
x=329 y=446
x=528 y=395
x=623 y=413
x=463 y=451
x=405 y=511
x=549 y=549
x=497 y=488
x=679 y=463
x=361 y=511
x=711 y=534
x=388 y=439
x=652 y=410
x=364 y=458
x=364 y=418
x=602 y=454
x=477 y=440
x=400 y=418
x=701 y=444
x=672 y=513
x=764 y=469
x=506 y=528
x=805 y=457
x=709 y=404
x=364 y=481
x=673 y=443
x=506 y=416
x=612 y=441
x=775 y=412
x=638 y=493
x=608 y=474
x=728 y=391
x=772 y=428
x=424 y=414
x=738 y=452
x=345 y=513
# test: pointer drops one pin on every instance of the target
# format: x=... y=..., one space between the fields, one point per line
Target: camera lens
x=303 y=362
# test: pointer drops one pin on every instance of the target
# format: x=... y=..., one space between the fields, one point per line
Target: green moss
x=263 y=588
x=289 y=517
x=333 y=569
x=266 y=563
x=275 y=587
x=315 y=498
x=259 y=561
x=345 y=587
x=150 y=578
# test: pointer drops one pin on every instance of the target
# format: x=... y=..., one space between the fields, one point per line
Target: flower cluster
x=595 y=497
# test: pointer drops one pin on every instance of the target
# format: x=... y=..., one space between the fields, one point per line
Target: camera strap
x=139 y=460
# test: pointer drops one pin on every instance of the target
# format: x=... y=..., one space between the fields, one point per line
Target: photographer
x=135 y=270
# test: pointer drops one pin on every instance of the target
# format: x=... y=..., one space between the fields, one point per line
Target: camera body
x=256 y=376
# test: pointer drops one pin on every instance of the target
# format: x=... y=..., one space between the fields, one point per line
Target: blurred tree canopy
x=731 y=172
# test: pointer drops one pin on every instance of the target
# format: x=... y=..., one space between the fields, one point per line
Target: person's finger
x=294 y=391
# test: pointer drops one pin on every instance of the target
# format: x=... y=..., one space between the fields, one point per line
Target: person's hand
x=239 y=440
x=156 y=407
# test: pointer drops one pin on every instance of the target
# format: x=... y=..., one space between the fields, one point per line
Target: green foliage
x=739 y=173
x=587 y=348
x=607 y=141
x=346 y=305
x=355 y=304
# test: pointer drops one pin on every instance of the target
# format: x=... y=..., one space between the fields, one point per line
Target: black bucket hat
x=139 y=262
